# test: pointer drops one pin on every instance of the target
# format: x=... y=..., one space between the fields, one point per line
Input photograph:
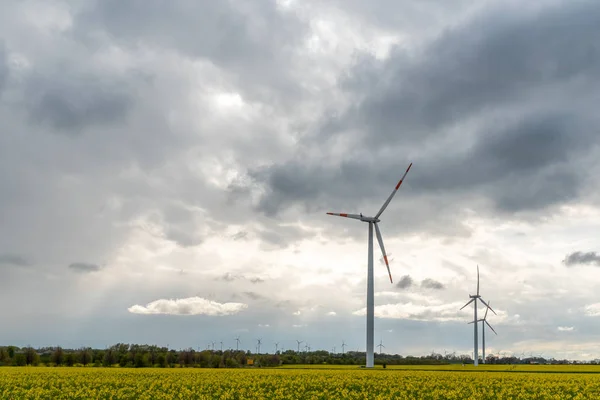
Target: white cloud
x=188 y=306
x=332 y=313
x=592 y=310
x=565 y=328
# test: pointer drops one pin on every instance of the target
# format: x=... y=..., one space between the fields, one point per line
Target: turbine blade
x=470 y=301
x=380 y=240
x=486 y=311
x=478 y=280
x=354 y=216
x=488 y=324
x=384 y=206
x=487 y=305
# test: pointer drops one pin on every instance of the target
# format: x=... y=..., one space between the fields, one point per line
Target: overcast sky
x=165 y=169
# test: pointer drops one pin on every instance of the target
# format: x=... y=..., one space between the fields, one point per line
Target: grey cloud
x=238 y=38
x=432 y=284
x=13 y=259
x=501 y=76
x=229 y=277
x=578 y=257
x=3 y=66
x=239 y=235
x=405 y=282
x=84 y=267
x=486 y=62
x=254 y=295
x=69 y=101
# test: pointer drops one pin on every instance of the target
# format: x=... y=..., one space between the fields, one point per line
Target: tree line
x=141 y=356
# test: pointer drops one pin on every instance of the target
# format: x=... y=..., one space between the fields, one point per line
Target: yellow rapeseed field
x=121 y=383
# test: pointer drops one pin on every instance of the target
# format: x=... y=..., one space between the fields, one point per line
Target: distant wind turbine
x=483 y=323
x=259 y=341
x=373 y=221
x=380 y=345
x=473 y=300
x=299 y=343
x=237 y=343
x=276 y=347
x=343 y=346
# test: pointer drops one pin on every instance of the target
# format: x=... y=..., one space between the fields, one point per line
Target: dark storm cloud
x=84 y=267
x=405 y=282
x=521 y=84
x=496 y=59
x=13 y=259
x=432 y=284
x=578 y=257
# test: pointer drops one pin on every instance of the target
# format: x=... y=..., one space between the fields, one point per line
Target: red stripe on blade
x=398 y=185
x=343 y=215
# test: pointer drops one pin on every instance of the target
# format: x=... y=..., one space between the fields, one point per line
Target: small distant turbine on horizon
x=237 y=343
x=276 y=347
x=483 y=323
x=373 y=221
x=473 y=300
x=299 y=343
x=380 y=345
x=259 y=342
x=343 y=347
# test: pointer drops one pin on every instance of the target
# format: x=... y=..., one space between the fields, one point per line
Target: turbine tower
x=276 y=347
x=373 y=221
x=473 y=300
x=299 y=343
x=258 y=343
x=343 y=347
x=483 y=323
x=237 y=343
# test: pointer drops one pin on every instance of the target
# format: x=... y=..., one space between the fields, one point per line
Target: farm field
x=288 y=383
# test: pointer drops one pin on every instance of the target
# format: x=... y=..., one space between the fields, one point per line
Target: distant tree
x=85 y=355
x=58 y=356
x=19 y=360
x=140 y=360
x=31 y=356
x=70 y=359
x=4 y=357
x=110 y=358
x=161 y=360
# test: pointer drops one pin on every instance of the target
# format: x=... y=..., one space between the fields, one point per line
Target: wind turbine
x=343 y=347
x=237 y=343
x=473 y=300
x=259 y=341
x=221 y=345
x=380 y=345
x=373 y=221
x=299 y=343
x=276 y=347
x=483 y=323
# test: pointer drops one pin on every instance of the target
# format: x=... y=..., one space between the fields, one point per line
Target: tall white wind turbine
x=473 y=300
x=373 y=221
